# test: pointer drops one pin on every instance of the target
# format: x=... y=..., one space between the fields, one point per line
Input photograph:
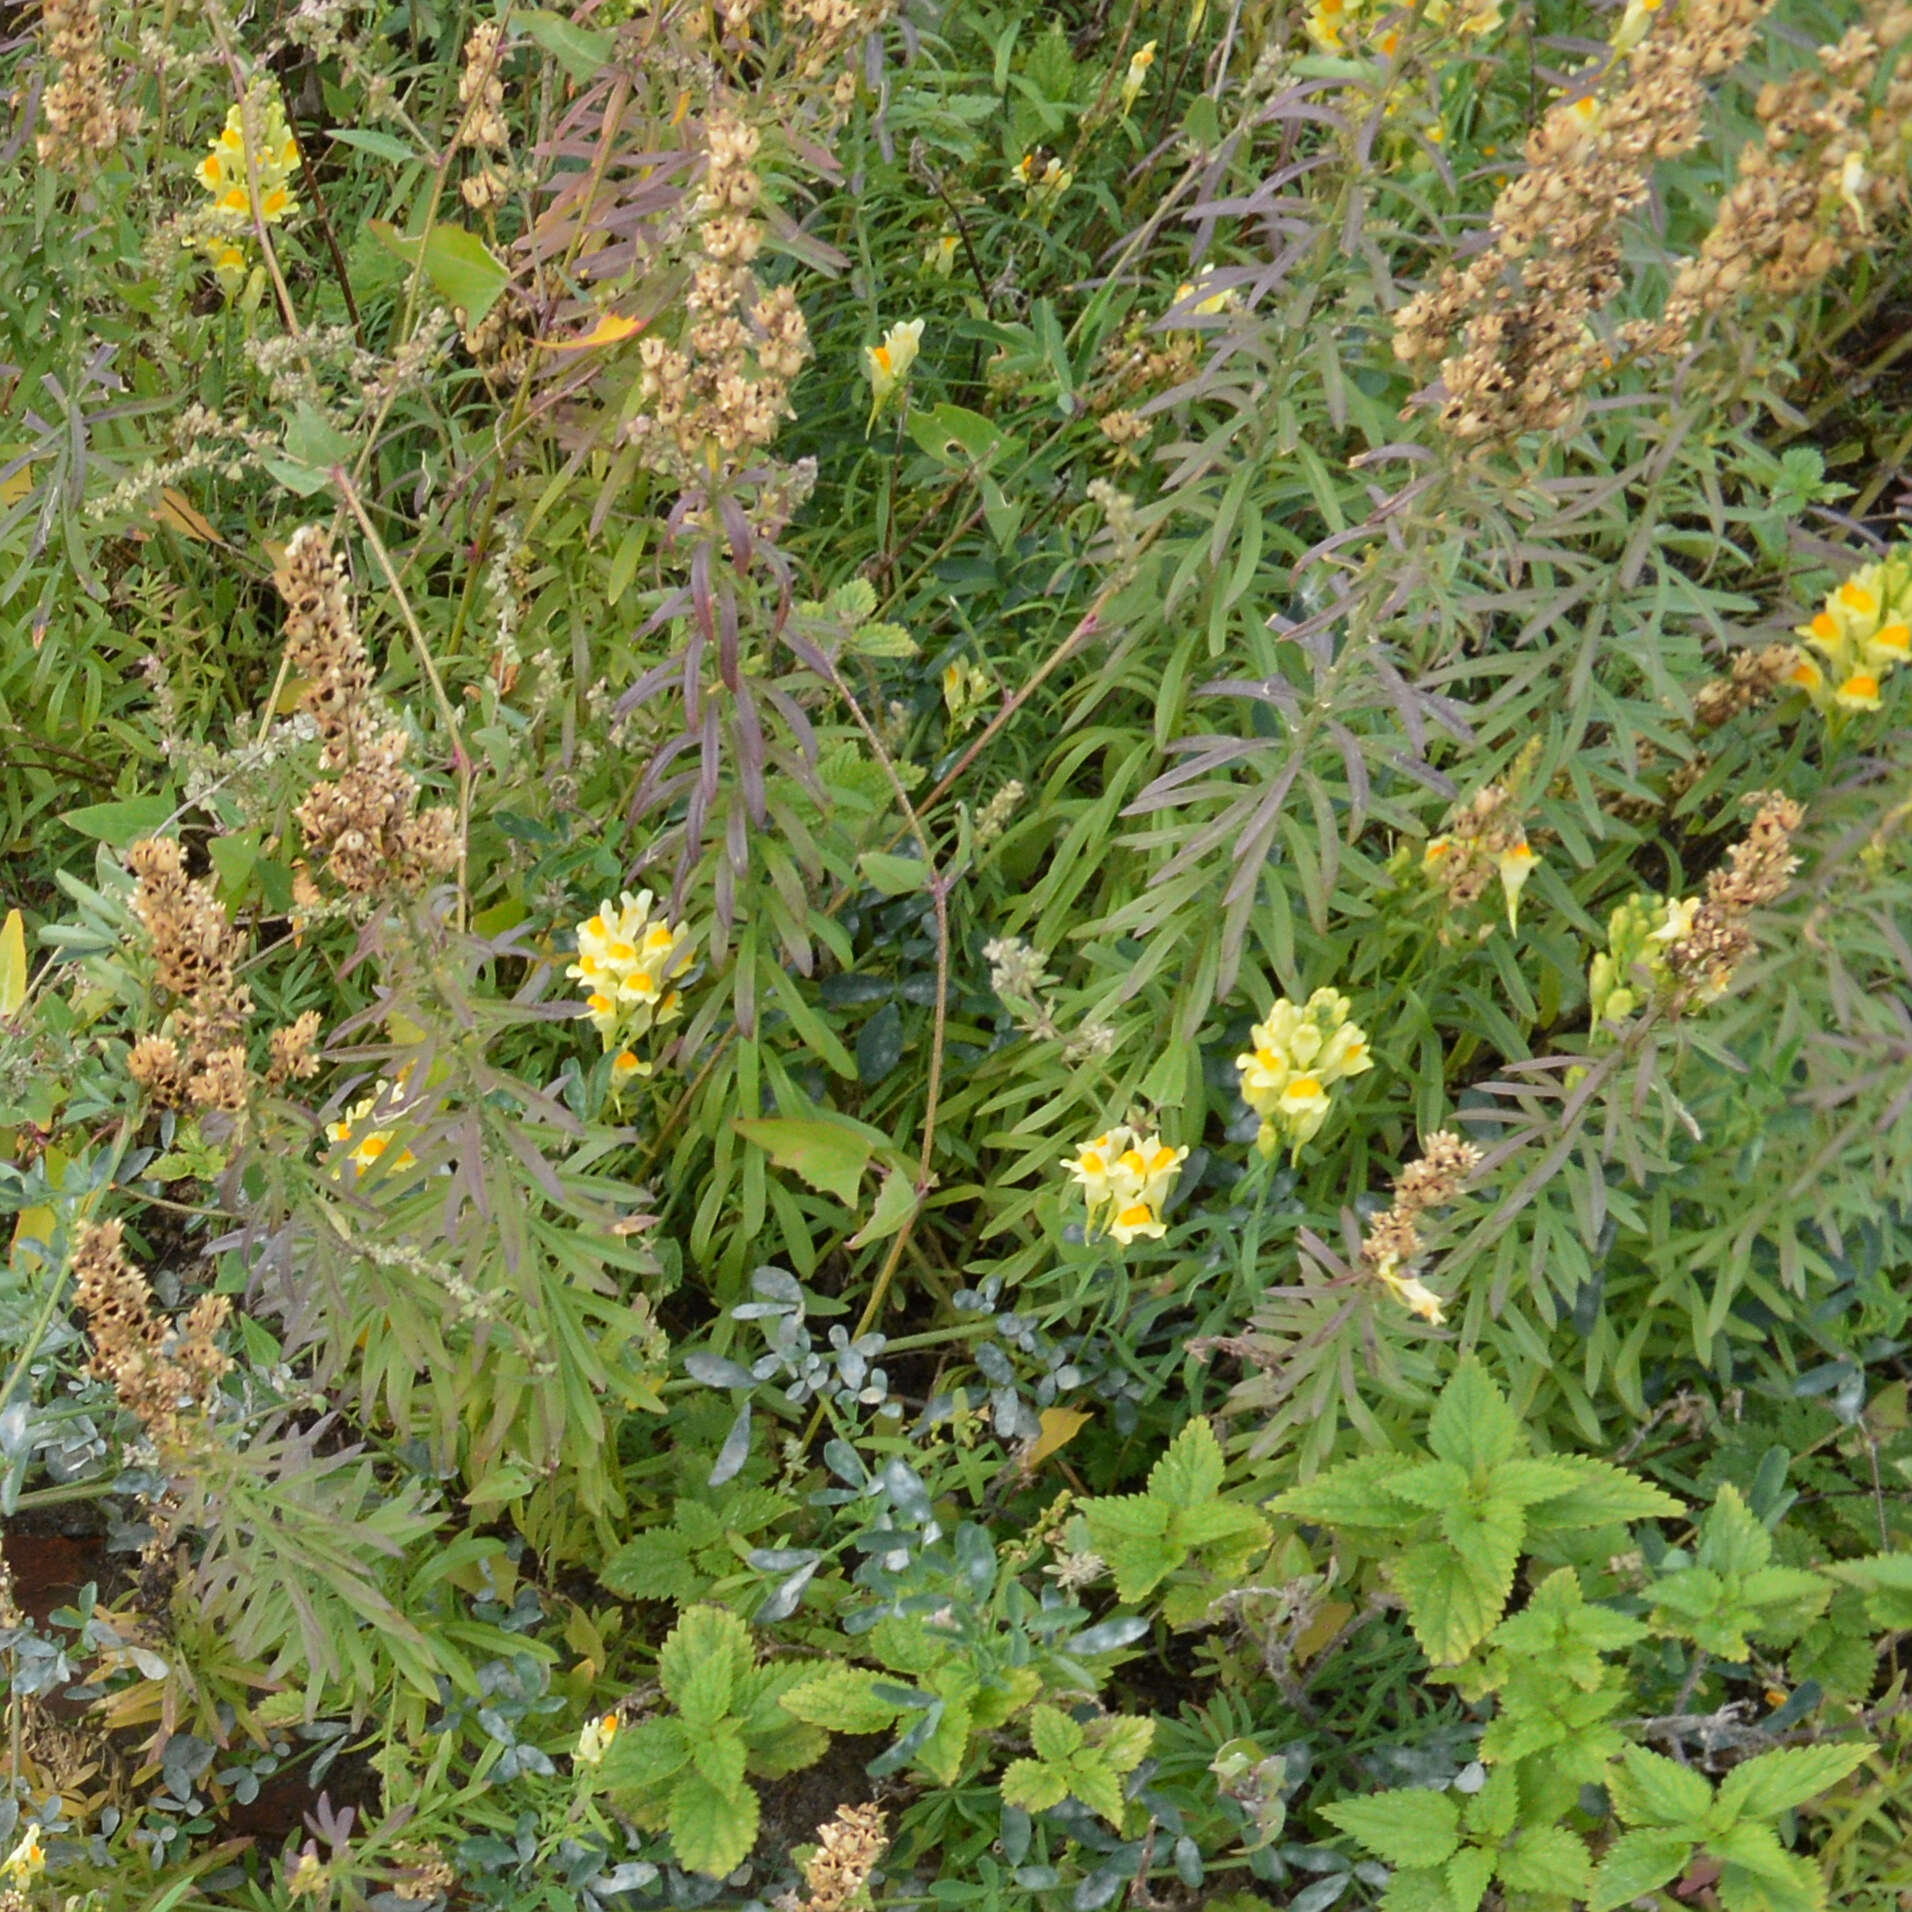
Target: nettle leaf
x=1652 y=1790
x=1491 y=1814
x=1472 y=1425
x=1467 y=1875
x=700 y=1664
x=1599 y=1495
x=643 y=1757
x=1431 y=1485
x=1034 y=1787
x=1888 y=1581
x=719 y=1756
x=1358 y=1493
x=1733 y=1539
x=1190 y=1474
x=1454 y=1598
x=1130 y=1532
x=1636 y=1864
x=712 y=1829
x=1410 y=1827
x=1053 y=1734
x=1559 y=1626
x=1415 y=1889
x=1758 y=1874
x=1122 y=1741
x=1098 y=1786
x=1221 y=1520
x=1776 y=1782
x=842 y=1698
x=1548 y=1859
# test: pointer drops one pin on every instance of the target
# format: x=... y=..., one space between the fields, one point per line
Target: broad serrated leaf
x=1221 y=1520
x=1547 y=1859
x=1411 y=1889
x=1652 y=1790
x=1452 y=1599
x=1355 y=1494
x=711 y=1830
x=1472 y=1425
x=1492 y=1812
x=1733 y=1540
x=1032 y=1786
x=842 y=1698
x=1411 y=1827
x=701 y=1662
x=1190 y=1473
x=1467 y=1875
x=1123 y=1741
x=1600 y=1495
x=828 y=1151
x=1097 y=1785
x=1636 y=1864
x=1776 y=1782
x=654 y=1565
x=643 y=1758
x=1053 y=1734
x=719 y=1756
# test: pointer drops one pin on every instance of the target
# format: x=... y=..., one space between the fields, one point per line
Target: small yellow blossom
x=1299 y=1054
x=368 y=1144
x=1213 y=302
x=1137 y=76
x=1635 y=24
x=939 y=256
x=595 y=1740
x=966 y=687
x=629 y=960
x=1125 y=1176
x=1416 y=1296
x=26 y=1861
x=889 y=364
x=1045 y=180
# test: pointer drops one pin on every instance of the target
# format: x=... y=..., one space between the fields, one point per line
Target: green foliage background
x=625 y=1469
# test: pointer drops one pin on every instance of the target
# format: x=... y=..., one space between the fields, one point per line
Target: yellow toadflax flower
x=630 y=960
x=224 y=225
x=368 y=1144
x=26 y=1861
x=1137 y=76
x=1299 y=1054
x=889 y=364
x=595 y=1740
x=1863 y=632
x=1125 y=1176
x=939 y=256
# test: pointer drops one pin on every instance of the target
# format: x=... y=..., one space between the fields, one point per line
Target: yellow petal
x=612 y=328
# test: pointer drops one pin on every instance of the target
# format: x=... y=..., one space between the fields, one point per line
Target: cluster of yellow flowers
x=223 y=226
x=595 y=1740
x=627 y=959
x=1344 y=26
x=1125 y=1177
x=368 y=1143
x=889 y=364
x=1299 y=1055
x=1863 y=633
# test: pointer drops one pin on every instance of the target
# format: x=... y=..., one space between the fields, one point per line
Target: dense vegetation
x=956 y=955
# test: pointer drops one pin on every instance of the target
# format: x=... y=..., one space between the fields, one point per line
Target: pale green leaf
x=1636 y=1864
x=828 y=1151
x=1032 y=1786
x=1652 y=1790
x=1472 y=1425
x=843 y=1698
x=1776 y=1782
x=1411 y=1827
x=701 y=1662
x=711 y=1830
